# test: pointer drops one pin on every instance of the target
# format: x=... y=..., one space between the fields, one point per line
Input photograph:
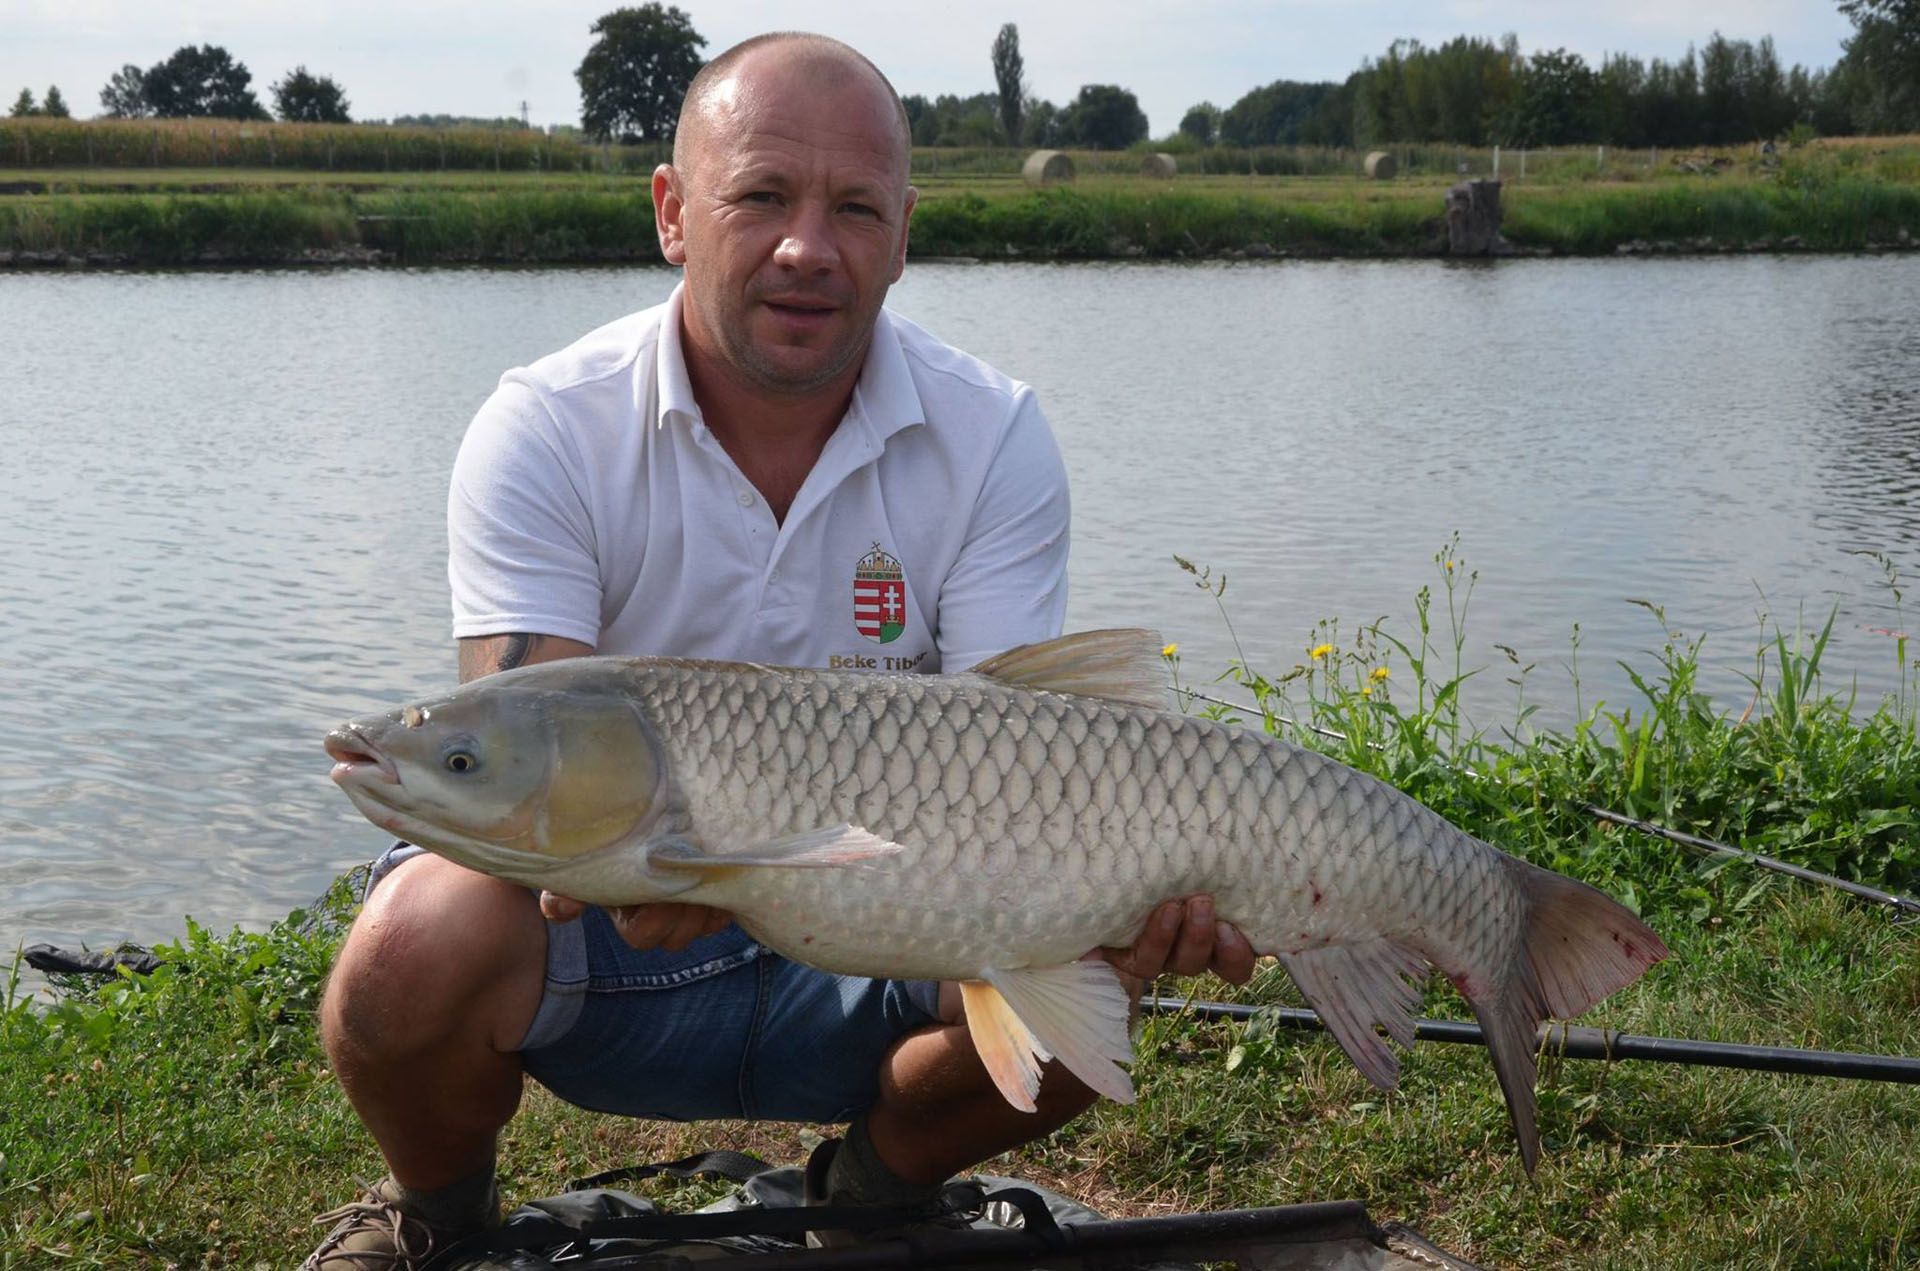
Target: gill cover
x=604 y=774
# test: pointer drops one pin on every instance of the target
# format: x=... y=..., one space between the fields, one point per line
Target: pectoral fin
x=814 y=849
x=1076 y=1013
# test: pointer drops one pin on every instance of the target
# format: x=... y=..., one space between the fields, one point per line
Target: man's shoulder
x=940 y=369
x=609 y=353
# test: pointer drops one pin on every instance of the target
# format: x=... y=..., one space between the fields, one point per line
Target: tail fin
x=1580 y=944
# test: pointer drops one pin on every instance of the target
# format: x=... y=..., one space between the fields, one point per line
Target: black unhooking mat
x=1007 y=1223
x=593 y=1224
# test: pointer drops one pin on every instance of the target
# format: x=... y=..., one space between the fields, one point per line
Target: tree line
x=1479 y=92
x=202 y=81
x=1468 y=91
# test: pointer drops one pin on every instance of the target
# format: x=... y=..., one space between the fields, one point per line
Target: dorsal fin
x=1120 y=665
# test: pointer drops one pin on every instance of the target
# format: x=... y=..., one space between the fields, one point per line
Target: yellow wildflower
x=1379 y=673
x=1366 y=690
x=1170 y=650
x=1319 y=651
x=1449 y=567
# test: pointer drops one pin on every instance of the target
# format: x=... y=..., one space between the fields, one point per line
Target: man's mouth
x=354 y=757
x=801 y=307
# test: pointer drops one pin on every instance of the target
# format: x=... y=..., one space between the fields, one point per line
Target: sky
x=486 y=57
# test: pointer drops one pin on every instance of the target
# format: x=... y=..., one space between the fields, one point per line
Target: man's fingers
x=1193 y=950
x=1233 y=957
x=690 y=923
x=653 y=926
x=559 y=908
x=667 y=925
x=1149 y=955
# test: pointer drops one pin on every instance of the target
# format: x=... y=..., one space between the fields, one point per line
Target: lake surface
x=223 y=496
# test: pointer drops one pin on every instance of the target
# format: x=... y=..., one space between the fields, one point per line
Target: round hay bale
x=1047 y=167
x=1381 y=166
x=1161 y=166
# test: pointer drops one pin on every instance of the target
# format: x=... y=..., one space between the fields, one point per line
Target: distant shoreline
x=269 y=226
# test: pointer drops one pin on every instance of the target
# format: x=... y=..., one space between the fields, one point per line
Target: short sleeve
x=521 y=550
x=1008 y=586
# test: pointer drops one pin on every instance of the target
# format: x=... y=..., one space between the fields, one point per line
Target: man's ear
x=906 y=226
x=670 y=214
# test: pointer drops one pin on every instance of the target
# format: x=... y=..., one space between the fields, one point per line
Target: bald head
x=725 y=85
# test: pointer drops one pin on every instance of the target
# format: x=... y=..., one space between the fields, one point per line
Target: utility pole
x=523 y=116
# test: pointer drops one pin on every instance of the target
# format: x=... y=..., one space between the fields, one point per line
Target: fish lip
x=357 y=759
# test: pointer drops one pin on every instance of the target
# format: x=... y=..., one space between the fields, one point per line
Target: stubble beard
x=769 y=375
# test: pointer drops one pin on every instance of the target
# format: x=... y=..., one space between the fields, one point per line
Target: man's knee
x=438 y=950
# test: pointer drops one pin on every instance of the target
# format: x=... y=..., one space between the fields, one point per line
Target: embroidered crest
x=879 y=597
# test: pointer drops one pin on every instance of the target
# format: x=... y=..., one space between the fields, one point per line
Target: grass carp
x=990 y=828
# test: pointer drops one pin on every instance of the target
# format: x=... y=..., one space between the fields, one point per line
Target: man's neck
x=773 y=438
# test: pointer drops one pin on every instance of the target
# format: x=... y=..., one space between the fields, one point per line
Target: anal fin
x=1077 y=1013
x=1355 y=987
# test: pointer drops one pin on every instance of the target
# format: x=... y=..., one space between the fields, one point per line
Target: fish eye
x=460 y=757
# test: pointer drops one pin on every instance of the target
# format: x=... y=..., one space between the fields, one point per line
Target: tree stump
x=1473 y=219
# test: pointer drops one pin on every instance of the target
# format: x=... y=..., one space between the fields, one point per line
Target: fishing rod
x=1598 y=1043
x=1907 y=907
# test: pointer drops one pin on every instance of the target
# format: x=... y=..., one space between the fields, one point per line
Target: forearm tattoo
x=496 y=653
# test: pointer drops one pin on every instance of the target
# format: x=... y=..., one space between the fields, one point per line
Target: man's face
x=791 y=221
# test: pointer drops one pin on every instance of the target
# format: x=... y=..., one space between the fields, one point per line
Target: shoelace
x=372 y=1212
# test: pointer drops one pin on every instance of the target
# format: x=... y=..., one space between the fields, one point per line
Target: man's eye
x=760 y=196
x=860 y=209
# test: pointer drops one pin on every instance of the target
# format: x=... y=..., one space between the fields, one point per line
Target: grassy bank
x=188 y=1117
x=1832 y=199
x=520 y=225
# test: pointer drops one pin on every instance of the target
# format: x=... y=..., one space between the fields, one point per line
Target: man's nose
x=808 y=247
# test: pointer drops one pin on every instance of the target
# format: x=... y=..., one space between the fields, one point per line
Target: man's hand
x=1183 y=938
x=664 y=925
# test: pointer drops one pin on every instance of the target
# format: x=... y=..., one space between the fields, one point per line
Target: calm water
x=223 y=502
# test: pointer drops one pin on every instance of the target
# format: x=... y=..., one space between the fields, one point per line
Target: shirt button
x=746 y=499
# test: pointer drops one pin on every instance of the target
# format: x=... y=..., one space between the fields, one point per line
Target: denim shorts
x=722 y=1029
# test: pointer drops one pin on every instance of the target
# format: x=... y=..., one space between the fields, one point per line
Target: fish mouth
x=358 y=760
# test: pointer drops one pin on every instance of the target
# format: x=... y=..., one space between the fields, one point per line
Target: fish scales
x=991 y=828
x=1265 y=826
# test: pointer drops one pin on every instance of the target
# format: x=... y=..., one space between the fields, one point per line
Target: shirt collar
x=884 y=399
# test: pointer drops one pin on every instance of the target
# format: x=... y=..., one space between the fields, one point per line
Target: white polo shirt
x=590 y=501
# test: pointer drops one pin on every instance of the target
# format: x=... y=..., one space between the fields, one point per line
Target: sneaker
x=374 y=1232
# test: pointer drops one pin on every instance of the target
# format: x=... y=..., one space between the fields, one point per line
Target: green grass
x=188 y=1117
x=973 y=204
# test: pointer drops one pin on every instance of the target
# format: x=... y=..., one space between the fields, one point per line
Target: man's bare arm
x=483 y=655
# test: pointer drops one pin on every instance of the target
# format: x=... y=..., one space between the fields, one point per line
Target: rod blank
x=1600 y=1043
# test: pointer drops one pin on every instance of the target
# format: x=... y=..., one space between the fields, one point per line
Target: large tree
x=303 y=98
x=1282 y=113
x=24 y=105
x=1201 y=123
x=1009 y=76
x=199 y=82
x=1104 y=117
x=1559 y=95
x=125 y=96
x=1881 y=67
x=55 y=106
x=636 y=73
